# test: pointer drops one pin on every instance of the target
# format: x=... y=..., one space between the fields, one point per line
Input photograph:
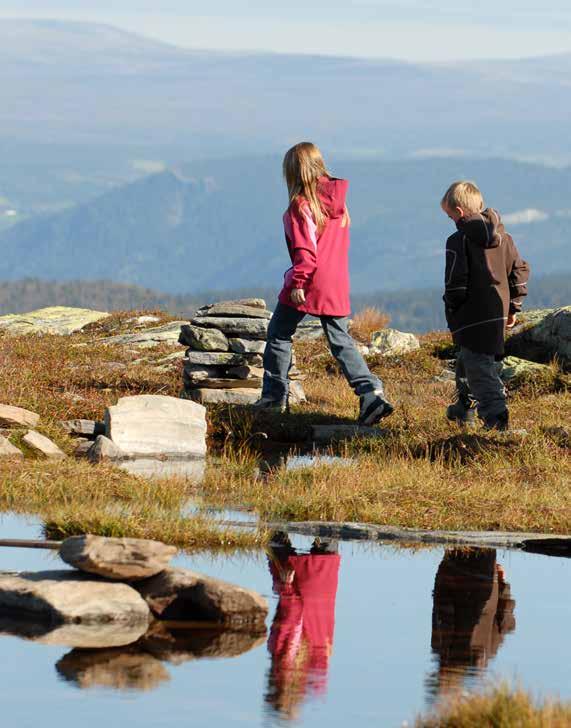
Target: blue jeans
x=478 y=378
x=277 y=355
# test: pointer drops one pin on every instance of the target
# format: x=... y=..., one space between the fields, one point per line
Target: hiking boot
x=373 y=407
x=461 y=414
x=499 y=422
x=271 y=405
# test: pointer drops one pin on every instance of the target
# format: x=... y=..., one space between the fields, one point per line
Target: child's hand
x=512 y=317
x=298 y=296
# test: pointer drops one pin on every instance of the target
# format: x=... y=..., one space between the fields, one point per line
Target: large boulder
x=17 y=417
x=180 y=594
x=234 y=327
x=390 y=342
x=542 y=335
x=156 y=425
x=120 y=559
x=67 y=596
x=60 y=320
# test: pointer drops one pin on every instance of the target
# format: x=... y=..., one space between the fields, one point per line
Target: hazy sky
x=411 y=29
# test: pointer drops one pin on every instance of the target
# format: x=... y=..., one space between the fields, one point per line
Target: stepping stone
x=68 y=596
x=17 y=417
x=9 y=451
x=120 y=559
x=156 y=425
x=43 y=445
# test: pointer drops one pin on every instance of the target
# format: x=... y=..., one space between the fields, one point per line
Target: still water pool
x=358 y=634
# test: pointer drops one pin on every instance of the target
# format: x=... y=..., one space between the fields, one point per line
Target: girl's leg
x=352 y=362
x=277 y=355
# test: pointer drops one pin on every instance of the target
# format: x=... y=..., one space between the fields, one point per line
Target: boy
x=486 y=280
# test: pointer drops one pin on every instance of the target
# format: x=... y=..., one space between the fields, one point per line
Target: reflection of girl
x=301 y=637
x=473 y=610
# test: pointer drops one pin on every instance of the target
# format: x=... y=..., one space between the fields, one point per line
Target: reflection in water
x=192 y=470
x=472 y=612
x=301 y=637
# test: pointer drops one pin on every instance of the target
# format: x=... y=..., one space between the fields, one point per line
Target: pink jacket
x=320 y=261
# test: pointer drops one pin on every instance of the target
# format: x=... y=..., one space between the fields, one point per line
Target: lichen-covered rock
x=120 y=559
x=68 y=596
x=167 y=334
x=60 y=320
x=390 y=342
x=180 y=594
x=235 y=327
x=149 y=425
x=247 y=346
x=515 y=369
x=17 y=417
x=200 y=338
x=43 y=445
x=542 y=335
x=220 y=359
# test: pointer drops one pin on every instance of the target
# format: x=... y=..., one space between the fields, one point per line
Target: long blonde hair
x=303 y=165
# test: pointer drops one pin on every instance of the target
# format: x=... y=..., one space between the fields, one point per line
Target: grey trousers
x=478 y=382
x=277 y=355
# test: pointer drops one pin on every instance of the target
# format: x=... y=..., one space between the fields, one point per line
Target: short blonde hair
x=463 y=194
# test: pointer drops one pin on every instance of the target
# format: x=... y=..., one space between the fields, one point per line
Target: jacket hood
x=485 y=228
x=333 y=195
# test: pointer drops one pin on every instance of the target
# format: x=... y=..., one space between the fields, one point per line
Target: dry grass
x=499 y=708
x=366 y=322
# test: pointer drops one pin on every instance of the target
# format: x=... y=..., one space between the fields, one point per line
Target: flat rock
x=67 y=596
x=202 y=339
x=154 y=425
x=249 y=302
x=60 y=320
x=247 y=346
x=213 y=359
x=122 y=559
x=180 y=594
x=233 y=310
x=224 y=383
x=246 y=371
x=105 y=449
x=225 y=396
x=390 y=342
x=43 y=445
x=83 y=428
x=166 y=334
x=235 y=327
x=309 y=330
x=195 y=373
x=83 y=636
x=9 y=451
x=17 y=417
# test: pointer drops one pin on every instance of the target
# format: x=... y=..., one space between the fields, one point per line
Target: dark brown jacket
x=486 y=279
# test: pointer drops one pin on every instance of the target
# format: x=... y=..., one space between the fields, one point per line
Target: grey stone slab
x=225 y=396
x=83 y=428
x=247 y=346
x=43 y=445
x=59 y=320
x=105 y=449
x=234 y=310
x=235 y=327
x=9 y=451
x=166 y=334
x=200 y=338
x=213 y=359
x=17 y=417
x=324 y=434
x=250 y=383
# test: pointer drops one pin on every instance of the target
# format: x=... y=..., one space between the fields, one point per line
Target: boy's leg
x=277 y=354
x=485 y=383
x=365 y=384
x=463 y=409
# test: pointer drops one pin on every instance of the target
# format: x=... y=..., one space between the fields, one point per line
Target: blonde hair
x=303 y=165
x=463 y=194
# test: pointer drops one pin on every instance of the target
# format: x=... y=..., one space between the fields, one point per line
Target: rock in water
x=43 y=445
x=155 y=425
x=9 y=451
x=180 y=594
x=17 y=417
x=390 y=342
x=121 y=559
x=202 y=339
x=113 y=669
x=67 y=596
x=233 y=309
x=247 y=346
x=60 y=320
x=90 y=636
x=235 y=327
x=105 y=449
x=543 y=335
x=225 y=396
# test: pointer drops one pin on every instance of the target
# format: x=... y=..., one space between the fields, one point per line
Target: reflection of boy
x=486 y=280
x=301 y=637
x=473 y=611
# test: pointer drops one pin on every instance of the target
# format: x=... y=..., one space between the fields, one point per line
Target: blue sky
x=408 y=29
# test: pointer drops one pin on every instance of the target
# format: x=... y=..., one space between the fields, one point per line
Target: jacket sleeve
x=302 y=236
x=456 y=276
x=518 y=277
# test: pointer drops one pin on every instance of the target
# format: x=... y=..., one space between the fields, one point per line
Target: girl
x=317 y=234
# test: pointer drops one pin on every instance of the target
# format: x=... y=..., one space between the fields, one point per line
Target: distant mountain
x=410 y=310
x=90 y=84
x=215 y=225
